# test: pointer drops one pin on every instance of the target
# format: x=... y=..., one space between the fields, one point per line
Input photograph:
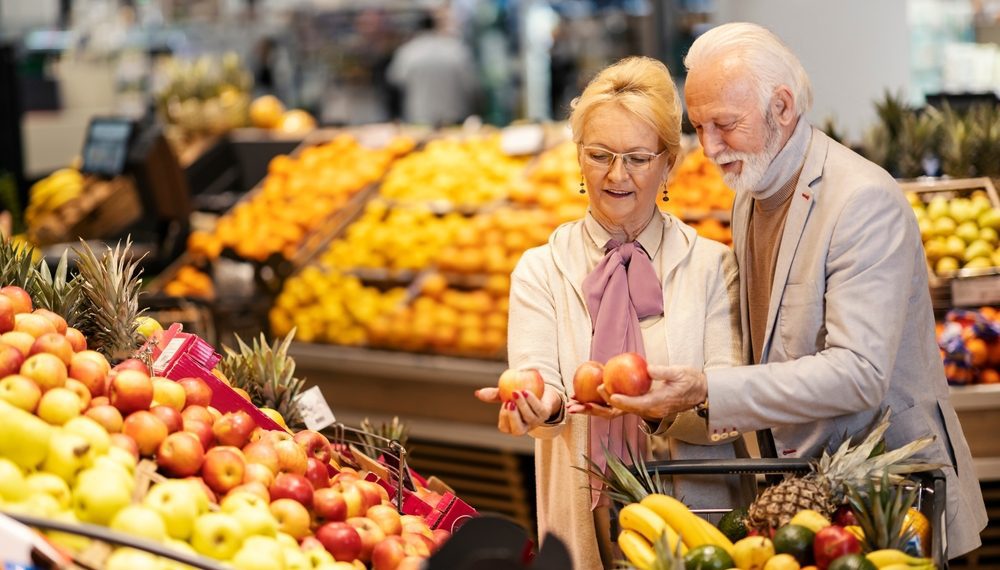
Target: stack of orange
x=697 y=189
x=189 y=282
x=297 y=195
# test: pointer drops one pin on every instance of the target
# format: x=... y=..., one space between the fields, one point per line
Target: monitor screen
x=106 y=147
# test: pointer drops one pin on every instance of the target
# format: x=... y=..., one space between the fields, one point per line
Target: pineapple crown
x=16 y=264
x=880 y=509
x=267 y=374
x=664 y=557
x=110 y=299
x=620 y=483
x=57 y=291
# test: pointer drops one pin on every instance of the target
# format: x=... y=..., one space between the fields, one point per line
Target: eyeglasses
x=634 y=161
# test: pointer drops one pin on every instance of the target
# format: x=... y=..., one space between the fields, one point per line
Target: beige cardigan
x=550 y=330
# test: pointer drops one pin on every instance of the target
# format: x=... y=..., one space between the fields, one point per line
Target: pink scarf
x=621 y=289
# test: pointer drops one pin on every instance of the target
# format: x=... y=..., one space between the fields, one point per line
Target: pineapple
x=267 y=374
x=373 y=436
x=17 y=266
x=919 y=138
x=110 y=300
x=823 y=490
x=620 y=483
x=664 y=557
x=881 y=510
x=53 y=291
x=957 y=144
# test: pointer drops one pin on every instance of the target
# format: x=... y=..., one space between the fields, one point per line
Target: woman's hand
x=591 y=409
x=675 y=389
x=526 y=411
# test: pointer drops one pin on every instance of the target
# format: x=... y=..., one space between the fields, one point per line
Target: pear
x=926 y=228
x=954 y=246
x=946 y=265
x=990 y=219
x=937 y=208
x=961 y=210
x=25 y=439
x=944 y=226
x=978 y=263
x=990 y=236
x=934 y=249
x=968 y=231
x=978 y=248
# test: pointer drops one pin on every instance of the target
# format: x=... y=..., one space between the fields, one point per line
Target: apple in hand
x=588 y=377
x=11 y=359
x=341 y=540
x=292 y=516
x=329 y=505
x=292 y=486
x=234 y=428
x=627 y=374
x=315 y=444
x=197 y=391
x=223 y=468
x=20 y=391
x=146 y=429
x=181 y=454
x=512 y=381
x=46 y=370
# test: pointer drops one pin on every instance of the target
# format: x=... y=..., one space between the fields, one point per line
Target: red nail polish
x=511 y=405
x=524 y=394
x=516 y=395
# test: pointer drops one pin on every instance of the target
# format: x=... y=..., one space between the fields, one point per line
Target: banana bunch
x=51 y=192
x=644 y=523
x=892 y=559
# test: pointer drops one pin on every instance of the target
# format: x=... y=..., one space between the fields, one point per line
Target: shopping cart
x=930 y=498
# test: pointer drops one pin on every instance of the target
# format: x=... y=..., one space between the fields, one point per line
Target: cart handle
x=727 y=466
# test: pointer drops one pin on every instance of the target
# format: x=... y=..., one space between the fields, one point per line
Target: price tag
x=969 y=291
x=315 y=412
x=522 y=139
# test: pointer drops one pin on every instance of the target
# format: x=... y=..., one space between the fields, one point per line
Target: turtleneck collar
x=787 y=163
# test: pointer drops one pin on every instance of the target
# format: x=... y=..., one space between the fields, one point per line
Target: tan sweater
x=550 y=330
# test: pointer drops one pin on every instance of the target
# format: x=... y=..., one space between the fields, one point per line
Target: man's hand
x=525 y=412
x=675 y=389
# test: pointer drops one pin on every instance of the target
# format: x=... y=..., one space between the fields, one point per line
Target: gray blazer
x=850 y=331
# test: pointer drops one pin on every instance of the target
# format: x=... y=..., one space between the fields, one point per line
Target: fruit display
x=51 y=192
x=268 y=112
x=298 y=195
x=958 y=232
x=969 y=341
x=190 y=282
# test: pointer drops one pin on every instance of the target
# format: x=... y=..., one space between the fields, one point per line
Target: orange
x=989 y=376
x=978 y=351
x=266 y=111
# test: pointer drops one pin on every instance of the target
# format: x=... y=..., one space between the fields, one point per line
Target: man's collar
x=787 y=162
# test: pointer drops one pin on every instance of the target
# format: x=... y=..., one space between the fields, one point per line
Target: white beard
x=754 y=165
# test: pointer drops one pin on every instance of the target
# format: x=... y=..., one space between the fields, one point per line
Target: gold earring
x=583 y=189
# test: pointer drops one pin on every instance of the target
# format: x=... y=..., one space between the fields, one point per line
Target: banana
x=715 y=535
x=643 y=520
x=905 y=566
x=891 y=557
x=637 y=549
x=678 y=517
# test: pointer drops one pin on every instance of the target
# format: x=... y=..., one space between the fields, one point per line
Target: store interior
x=280 y=178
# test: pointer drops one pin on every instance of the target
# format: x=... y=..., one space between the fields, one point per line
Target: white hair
x=765 y=57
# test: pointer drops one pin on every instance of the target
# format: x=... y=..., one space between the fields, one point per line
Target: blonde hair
x=766 y=59
x=643 y=87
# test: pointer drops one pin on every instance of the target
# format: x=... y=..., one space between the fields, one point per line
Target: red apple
x=170 y=417
x=202 y=430
x=291 y=457
x=234 y=428
x=100 y=401
x=19 y=340
x=11 y=358
x=20 y=391
x=372 y=493
x=292 y=486
x=199 y=413
x=257 y=473
x=341 y=540
x=197 y=391
x=146 y=429
x=329 y=505
x=386 y=517
x=421 y=544
x=413 y=524
x=262 y=452
x=18 y=297
x=96 y=357
x=371 y=534
x=317 y=473
x=844 y=516
x=254 y=488
x=518 y=381
x=389 y=553
x=441 y=536
x=6 y=314
x=130 y=391
x=46 y=370
x=833 y=542
x=106 y=415
x=125 y=442
x=57 y=321
x=181 y=454
x=276 y=435
x=315 y=444
x=132 y=364
x=627 y=374
x=293 y=518
x=81 y=391
x=90 y=372
x=216 y=414
x=223 y=468
x=53 y=343
x=35 y=325
x=76 y=339
x=166 y=392
x=586 y=380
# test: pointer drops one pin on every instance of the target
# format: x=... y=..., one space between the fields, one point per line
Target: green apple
x=69 y=454
x=217 y=535
x=123 y=457
x=180 y=546
x=241 y=500
x=70 y=541
x=990 y=219
x=100 y=441
x=146 y=326
x=107 y=467
x=319 y=556
x=954 y=246
x=946 y=265
x=140 y=521
x=259 y=553
x=13 y=487
x=177 y=503
x=59 y=405
x=978 y=248
x=937 y=208
x=41 y=505
x=257 y=521
x=286 y=539
x=25 y=438
x=130 y=559
x=295 y=559
x=96 y=499
x=47 y=483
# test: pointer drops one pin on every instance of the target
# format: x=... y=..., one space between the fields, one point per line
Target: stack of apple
x=74 y=428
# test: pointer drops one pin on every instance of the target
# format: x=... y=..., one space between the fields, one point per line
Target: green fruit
x=944 y=226
x=968 y=231
x=954 y=246
x=938 y=207
x=733 y=524
x=946 y=265
x=978 y=248
x=707 y=557
x=990 y=236
x=990 y=219
x=25 y=438
x=796 y=540
x=852 y=562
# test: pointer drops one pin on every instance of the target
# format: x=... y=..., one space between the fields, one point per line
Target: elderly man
x=836 y=310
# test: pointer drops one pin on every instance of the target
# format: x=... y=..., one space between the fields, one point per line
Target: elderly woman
x=625 y=278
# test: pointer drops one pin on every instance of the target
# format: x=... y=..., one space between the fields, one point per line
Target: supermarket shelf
x=975 y=397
